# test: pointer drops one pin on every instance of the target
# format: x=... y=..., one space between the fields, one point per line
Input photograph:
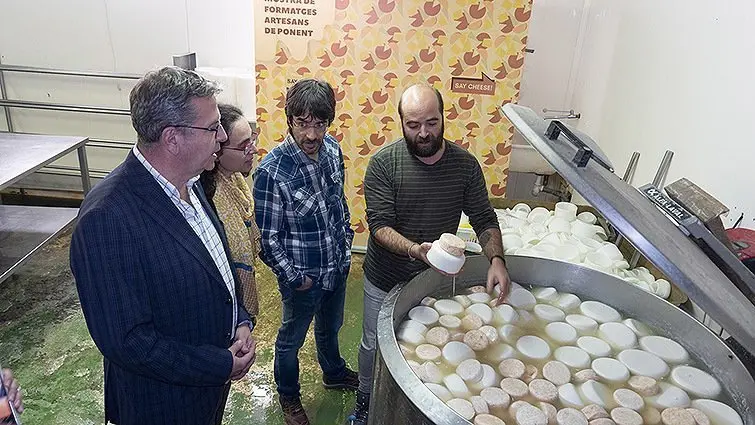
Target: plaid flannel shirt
x=300 y=208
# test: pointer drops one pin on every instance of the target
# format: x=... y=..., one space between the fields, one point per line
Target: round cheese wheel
x=470 y=370
x=629 y=399
x=496 y=397
x=700 y=417
x=410 y=336
x=595 y=347
x=428 y=352
x=651 y=416
x=457 y=336
x=414 y=326
x=471 y=322
x=516 y=388
x=476 y=340
x=438 y=336
x=440 y=391
x=418 y=370
x=663 y=288
x=423 y=314
x=428 y=301
x=602 y=313
x=521 y=299
x=624 y=416
x=695 y=381
x=610 y=370
x=546 y=294
x=489 y=379
x=526 y=319
x=670 y=351
x=510 y=333
x=479 y=404
x=491 y=333
x=463 y=407
x=573 y=357
x=516 y=405
x=717 y=412
x=477 y=289
x=505 y=314
x=542 y=293
x=479 y=297
x=548 y=313
x=499 y=352
x=568 y=302
x=550 y=412
x=570 y=416
x=530 y=415
x=432 y=373
x=585 y=375
x=561 y=333
x=452 y=244
x=533 y=347
x=639 y=328
x=583 y=324
x=456 y=352
x=644 y=385
x=669 y=396
x=406 y=350
x=643 y=363
x=569 y=396
x=617 y=335
x=677 y=416
x=456 y=386
x=483 y=311
x=530 y=373
x=594 y=411
x=463 y=300
x=448 y=307
x=556 y=372
x=449 y=322
x=543 y=390
x=593 y=392
x=487 y=419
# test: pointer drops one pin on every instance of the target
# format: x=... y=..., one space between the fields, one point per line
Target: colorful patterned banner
x=371 y=50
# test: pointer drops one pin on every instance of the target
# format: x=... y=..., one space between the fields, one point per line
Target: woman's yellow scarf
x=233 y=200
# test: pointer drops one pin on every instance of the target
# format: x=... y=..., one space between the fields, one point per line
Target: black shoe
x=293 y=412
x=359 y=416
x=349 y=381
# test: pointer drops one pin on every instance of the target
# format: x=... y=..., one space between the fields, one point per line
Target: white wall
x=678 y=75
x=131 y=36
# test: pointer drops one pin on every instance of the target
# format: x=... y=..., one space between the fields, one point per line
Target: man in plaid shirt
x=301 y=211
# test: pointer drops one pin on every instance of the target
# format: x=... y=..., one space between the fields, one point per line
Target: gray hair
x=161 y=99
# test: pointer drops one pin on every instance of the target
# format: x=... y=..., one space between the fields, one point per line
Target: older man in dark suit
x=151 y=265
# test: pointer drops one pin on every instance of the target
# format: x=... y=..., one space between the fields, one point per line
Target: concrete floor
x=44 y=338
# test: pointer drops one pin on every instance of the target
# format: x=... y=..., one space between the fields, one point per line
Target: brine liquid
x=537 y=328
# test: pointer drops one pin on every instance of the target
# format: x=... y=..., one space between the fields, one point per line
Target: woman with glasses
x=230 y=196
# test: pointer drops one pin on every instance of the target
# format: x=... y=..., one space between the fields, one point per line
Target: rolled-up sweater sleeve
x=378 y=194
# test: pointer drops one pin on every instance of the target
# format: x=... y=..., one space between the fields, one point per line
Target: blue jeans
x=299 y=307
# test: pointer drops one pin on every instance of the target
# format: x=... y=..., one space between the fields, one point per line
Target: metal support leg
x=4 y=96
x=86 y=183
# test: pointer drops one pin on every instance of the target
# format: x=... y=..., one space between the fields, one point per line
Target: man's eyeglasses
x=317 y=125
x=214 y=130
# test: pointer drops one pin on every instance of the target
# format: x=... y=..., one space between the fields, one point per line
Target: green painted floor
x=44 y=338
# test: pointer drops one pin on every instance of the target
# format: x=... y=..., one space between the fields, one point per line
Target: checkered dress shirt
x=201 y=225
x=301 y=210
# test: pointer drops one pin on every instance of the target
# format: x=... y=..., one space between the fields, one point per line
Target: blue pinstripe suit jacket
x=154 y=302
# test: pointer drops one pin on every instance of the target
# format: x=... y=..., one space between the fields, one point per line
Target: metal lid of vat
x=580 y=162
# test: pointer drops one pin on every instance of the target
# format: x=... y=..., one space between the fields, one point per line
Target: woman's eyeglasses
x=248 y=148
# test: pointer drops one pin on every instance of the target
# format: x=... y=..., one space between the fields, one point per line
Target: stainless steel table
x=23 y=229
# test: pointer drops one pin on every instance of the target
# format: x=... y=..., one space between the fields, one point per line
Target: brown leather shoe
x=293 y=412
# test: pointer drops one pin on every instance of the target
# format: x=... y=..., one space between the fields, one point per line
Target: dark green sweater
x=420 y=202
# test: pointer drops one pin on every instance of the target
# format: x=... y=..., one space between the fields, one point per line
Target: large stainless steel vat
x=399 y=397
